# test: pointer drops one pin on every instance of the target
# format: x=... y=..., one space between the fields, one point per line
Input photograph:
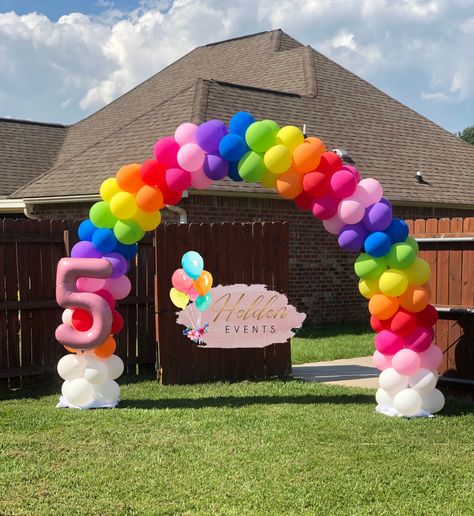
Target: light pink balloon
x=181 y=281
x=199 y=180
x=185 y=133
x=368 y=191
x=351 y=210
x=90 y=284
x=381 y=361
x=333 y=225
x=406 y=362
x=119 y=287
x=193 y=294
x=431 y=358
x=191 y=157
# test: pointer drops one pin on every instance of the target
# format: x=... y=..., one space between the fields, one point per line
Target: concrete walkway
x=351 y=372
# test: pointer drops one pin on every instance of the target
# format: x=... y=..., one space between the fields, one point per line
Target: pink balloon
x=191 y=157
x=368 y=191
x=353 y=171
x=119 y=287
x=388 y=343
x=166 y=150
x=199 y=180
x=105 y=294
x=193 y=294
x=351 y=210
x=181 y=281
x=406 y=362
x=325 y=207
x=177 y=179
x=333 y=225
x=381 y=361
x=185 y=133
x=90 y=284
x=420 y=339
x=431 y=358
x=343 y=183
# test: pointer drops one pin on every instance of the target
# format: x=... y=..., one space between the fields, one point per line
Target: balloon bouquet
x=192 y=283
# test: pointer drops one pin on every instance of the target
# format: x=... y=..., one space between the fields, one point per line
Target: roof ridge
x=31 y=122
x=236 y=38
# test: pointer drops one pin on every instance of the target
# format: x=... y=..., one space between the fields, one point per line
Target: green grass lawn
x=273 y=447
x=332 y=342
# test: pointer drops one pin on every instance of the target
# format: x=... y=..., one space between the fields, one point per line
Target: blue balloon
x=397 y=231
x=377 y=244
x=240 y=122
x=104 y=240
x=233 y=172
x=203 y=302
x=127 y=251
x=232 y=147
x=192 y=264
x=86 y=230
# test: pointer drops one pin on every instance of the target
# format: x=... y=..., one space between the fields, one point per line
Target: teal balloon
x=203 y=302
x=192 y=264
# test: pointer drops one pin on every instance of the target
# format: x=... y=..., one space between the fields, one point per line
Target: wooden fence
x=448 y=246
x=234 y=253
x=29 y=315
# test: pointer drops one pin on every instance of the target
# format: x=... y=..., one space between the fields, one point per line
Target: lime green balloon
x=101 y=216
x=419 y=272
x=393 y=282
x=369 y=267
x=275 y=127
x=402 y=254
x=251 y=167
x=128 y=231
x=259 y=136
x=278 y=159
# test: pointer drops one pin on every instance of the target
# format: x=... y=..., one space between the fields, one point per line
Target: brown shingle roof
x=272 y=76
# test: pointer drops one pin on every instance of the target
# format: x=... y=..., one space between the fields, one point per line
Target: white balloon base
x=64 y=403
x=393 y=412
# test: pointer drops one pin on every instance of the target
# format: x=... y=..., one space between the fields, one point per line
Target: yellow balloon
x=123 y=205
x=277 y=159
x=290 y=136
x=148 y=220
x=269 y=180
x=109 y=188
x=179 y=299
x=369 y=287
x=393 y=282
x=419 y=272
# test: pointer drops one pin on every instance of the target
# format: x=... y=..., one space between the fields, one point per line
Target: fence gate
x=234 y=253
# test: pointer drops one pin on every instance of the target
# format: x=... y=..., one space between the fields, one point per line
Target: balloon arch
x=391 y=276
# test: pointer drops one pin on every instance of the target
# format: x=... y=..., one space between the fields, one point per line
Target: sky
x=61 y=60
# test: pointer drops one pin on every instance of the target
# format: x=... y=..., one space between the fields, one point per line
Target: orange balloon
x=107 y=348
x=149 y=198
x=383 y=307
x=129 y=179
x=306 y=156
x=415 y=298
x=204 y=283
x=71 y=350
x=290 y=184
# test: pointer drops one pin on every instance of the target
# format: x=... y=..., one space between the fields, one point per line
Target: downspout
x=183 y=216
x=28 y=213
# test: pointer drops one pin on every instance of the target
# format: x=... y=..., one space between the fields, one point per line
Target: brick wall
x=322 y=280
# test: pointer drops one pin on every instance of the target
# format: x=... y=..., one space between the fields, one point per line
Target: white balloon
x=433 y=402
x=115 y=366
x=78 y=392
x=423 y=381
x=108 y=391
x=96 y=371
x=407 y=402
x=67 y=316
x=70 y=367
x=392 y=381
x=383 y=398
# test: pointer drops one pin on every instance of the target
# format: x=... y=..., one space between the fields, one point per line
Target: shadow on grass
x=336 y=330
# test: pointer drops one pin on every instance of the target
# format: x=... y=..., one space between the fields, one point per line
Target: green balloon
x=260 y=136
x=402 y=254
x=275 y=127
x=251 y=167
x=128 y=232
x=101 y=216
x=369 y=267
x=203 y=302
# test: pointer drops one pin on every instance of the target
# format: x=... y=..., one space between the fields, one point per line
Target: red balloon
x=108 y=297
x=170 y=197
x=403 y=323
x=378 y=325
x=330 y=163
x=81 y=319
x=427 y=317
x=117 y=322
x=152 y=173
x=316 y=184
x=304 y=201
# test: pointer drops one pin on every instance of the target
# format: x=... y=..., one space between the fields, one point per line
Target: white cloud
x=437 y=96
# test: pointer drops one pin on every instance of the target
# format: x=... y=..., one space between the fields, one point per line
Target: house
x=56 y=171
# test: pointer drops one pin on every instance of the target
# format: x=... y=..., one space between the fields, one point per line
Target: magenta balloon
x=215 y=167
x=166 y=151
x=181 y=281
x=353 y=171
x=377 y=217
x=388 y=343
x=177 y=179
x=352 y=237
x=420 y=339
x=119 y=263
x=343 y=183
x=85 y=249
x=209 y=134
x=325 y=207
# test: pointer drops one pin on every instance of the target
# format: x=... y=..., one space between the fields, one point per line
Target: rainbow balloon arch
x=391 y=276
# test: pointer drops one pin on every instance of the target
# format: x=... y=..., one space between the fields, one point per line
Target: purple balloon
x=352 y=237
x=119 y=263
x=85 y=249
x=383 y=200
x=215 y=167
x=378 y=216
x=209 y=134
